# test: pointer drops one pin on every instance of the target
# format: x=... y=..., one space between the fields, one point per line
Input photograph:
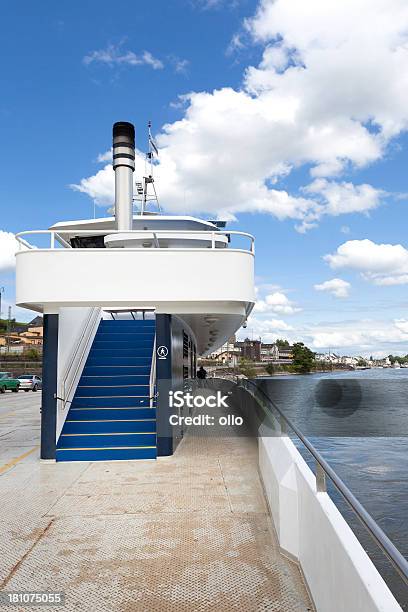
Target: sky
x=289 y=119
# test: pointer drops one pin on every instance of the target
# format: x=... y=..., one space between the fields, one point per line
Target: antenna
x=142 y=188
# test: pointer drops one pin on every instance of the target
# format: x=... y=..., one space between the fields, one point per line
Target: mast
x=144 y=195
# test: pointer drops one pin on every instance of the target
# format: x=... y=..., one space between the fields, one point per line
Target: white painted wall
x=339 y=574
x=132 y=277
x=71 y=329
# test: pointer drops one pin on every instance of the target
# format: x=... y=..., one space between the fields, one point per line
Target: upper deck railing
x=57 y=237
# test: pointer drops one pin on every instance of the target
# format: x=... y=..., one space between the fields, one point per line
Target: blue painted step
x=103 y=360
x=119 y=414
x=119 y=326
x=110 y=402
x=96 y=381
x=97 y=427
x=147 y=345
x=139 y=351
x=111 y=417
x=125 y=335
x=86 y=440
x=113 y=391
x=116 y=370
x=106 y=454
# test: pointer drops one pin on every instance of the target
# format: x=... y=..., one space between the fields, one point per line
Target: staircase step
x=113 y=391
x=110 y=402
x=127 y=324
x=108 y=427
x=121 y=360
x=111 y=439
x=146 y=344
x=112 y=414
x=107 y=454
x=137 y=351
x=119 y=370
x=125 y=335
x=124 y=380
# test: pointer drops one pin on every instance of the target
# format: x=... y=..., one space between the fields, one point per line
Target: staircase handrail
x=152 y=380
x=69 y=380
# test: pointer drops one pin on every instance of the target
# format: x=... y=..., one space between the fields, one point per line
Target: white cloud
x=402 y=325
x=270 y=325
x=212 y=4
x=113 y=55
x=342 y=198
x=180 y=65
x=330 y=92
x=101 y=186
x=355 y=337
x=104 y=157
x=276 y=302
x=382 y=264
x=267 y=329
x=8 y=249
x=235 y=45
x=336 y=286
x=359 y=335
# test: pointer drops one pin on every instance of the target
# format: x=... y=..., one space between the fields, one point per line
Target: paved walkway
x=189 y=532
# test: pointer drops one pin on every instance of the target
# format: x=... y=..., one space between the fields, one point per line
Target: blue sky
x=291 y=129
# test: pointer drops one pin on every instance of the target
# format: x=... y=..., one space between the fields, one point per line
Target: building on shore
x=20 y=338
x=269 y=352
x=252 y=350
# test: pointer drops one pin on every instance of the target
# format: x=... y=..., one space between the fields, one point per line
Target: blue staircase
x=110 y=416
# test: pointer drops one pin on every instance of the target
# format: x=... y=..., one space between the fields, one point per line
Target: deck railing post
x=321 y=486
x=283 y=426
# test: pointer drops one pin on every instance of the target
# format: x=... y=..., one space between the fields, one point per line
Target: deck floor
x=189 y=532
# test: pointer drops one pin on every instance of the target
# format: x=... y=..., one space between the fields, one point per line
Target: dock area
x=189 y=532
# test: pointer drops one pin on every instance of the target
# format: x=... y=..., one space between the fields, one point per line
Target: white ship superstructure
x=167 y=281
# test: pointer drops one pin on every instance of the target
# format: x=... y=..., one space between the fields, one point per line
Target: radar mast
x=146 y=190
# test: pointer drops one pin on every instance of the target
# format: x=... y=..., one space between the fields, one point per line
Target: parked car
x=8 y=382
x=30 y=382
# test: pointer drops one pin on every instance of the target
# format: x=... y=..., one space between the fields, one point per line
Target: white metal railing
x=156 y=234
x=323 y=470
x=77 y=357
x=152 y=380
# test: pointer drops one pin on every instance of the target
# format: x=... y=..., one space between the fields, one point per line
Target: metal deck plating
x=188 y=532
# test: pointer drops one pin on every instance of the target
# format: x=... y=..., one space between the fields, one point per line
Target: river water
x=359 y=422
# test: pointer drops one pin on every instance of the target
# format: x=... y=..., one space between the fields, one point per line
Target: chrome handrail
x=57 y=234
x=152 y=379
x=323 y=469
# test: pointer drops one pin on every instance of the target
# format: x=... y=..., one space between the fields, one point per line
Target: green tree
x=32 y=353
x=303 y=358
x=246 y=368
x=280 y=343
x=270 y=368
